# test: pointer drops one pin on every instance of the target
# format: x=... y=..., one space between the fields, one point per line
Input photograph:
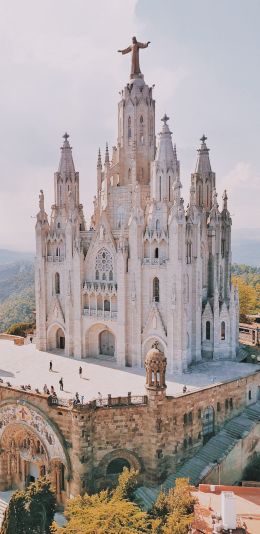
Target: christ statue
x=134 y=48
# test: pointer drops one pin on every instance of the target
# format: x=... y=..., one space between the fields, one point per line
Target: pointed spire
x=225 y=199
x=165 y=152
x=107 y=155
x=203 y=162
x=99 y=160
x=66 y=165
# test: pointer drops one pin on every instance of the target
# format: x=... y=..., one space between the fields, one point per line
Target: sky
x=60 y=71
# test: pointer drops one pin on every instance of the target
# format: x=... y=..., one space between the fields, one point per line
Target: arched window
x=57 y=283
x=129 y=175
x=110 y=276
x=141 y=130
x=208 y=330
x=156 y=289
x=190 y=441
x=223 y=331
x=104 y=265
x=106 y=305
x=58 y=225
x=156 y=253
x=185 y=444
x=189 y=252
x=200 y=195
x=185 y=419
x=129 y=128
x=157 y=226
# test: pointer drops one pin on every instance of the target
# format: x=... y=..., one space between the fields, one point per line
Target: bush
x=21 y=329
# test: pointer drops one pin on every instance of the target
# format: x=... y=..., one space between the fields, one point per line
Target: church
x=147 y=269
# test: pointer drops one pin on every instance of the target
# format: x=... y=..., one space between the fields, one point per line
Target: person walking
x=45 y=388
x=50 y=365
x=80 y=372
x=61 y=384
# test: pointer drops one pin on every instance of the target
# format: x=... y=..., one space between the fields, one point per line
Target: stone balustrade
x=103 y=314
x=100 y=288
x=154 y=261
x=58 y=259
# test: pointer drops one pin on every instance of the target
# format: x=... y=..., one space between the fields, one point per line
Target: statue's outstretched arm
x=126 y=50
x=143 y=45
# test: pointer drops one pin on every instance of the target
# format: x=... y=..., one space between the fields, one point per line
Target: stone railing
x=55 y=258
x=100 y=288
x=102 y=314
x=102 y=402
x=154 y=261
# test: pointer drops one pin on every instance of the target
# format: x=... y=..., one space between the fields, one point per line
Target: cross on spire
x=165 y=118
x=66 y=136
x=203 y=138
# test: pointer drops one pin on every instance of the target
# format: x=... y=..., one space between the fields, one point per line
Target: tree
x=247 y=297
x=31 y=511
x=107 y=512
x=252 y=470
x=175 y=509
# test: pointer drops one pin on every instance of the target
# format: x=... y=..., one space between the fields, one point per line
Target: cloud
x=243 y=187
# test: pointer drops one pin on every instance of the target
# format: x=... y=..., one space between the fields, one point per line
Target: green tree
x=247 y=297
x=20 y=329
x=175 y=509
x=252 y=470
x=30 y=511
x=107 y=512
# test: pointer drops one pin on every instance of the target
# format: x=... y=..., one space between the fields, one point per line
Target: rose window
x=104 y=265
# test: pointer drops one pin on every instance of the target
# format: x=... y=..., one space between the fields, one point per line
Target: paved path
x=26 y=365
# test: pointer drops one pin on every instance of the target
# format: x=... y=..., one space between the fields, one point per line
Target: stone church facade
x=146 y=269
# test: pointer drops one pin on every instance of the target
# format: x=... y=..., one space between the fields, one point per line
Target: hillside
x=17 y=300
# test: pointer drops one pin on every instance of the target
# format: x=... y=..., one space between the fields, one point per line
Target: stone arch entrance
x=106 y=343
x=56 y=338
x=100 y=341
x=117 y=465
x=30 y=447
x=112 y=464
x=208 y=423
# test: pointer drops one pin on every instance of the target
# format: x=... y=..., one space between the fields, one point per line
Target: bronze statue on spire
x=134 y=48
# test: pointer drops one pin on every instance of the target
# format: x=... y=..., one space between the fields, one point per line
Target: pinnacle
x=203 y=162
x=66 y=165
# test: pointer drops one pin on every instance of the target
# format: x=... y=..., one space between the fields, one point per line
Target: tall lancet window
x=129 y=132
x=141 y=130
x=160 y=188
x=57 y=283
x=223 y=331
x=156 y=289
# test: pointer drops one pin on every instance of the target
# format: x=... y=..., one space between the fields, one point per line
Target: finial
x=107 y=154
x=203 y=138
x=66 y=136
x=165 y=118
x=99 y=161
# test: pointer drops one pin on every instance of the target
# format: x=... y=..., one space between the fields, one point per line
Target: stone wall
x=154 y=436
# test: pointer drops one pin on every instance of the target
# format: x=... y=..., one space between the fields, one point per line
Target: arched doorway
x=60 y=339
x=116 y=466
x=31 y=447
x=208 y=424
x=56 y=337
x=106 y=343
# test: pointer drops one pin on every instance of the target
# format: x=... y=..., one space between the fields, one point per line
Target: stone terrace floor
x=26 y=365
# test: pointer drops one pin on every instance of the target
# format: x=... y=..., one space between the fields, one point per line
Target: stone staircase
x=3 y=506
x=209 y=455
